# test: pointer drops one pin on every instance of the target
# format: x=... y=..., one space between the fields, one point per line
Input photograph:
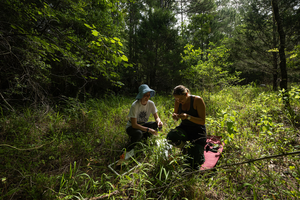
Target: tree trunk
x=181 y=10
x=283 y=82
x=130 y=32
x=275 y=72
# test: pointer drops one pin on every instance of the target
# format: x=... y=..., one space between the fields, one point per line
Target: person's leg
x=135 y=135
x=196 y=156
x=177 y=137
x=197 y=136
x=152 y=125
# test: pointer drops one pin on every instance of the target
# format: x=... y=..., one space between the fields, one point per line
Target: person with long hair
x=190 y=109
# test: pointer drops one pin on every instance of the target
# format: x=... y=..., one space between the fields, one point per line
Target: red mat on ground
x=212 y=151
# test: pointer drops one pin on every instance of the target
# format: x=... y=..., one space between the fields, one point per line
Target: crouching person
x=191 y=110
x=138 y=127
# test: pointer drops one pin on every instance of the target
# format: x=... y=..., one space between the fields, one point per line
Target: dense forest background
x=62 y=48
x=70 y=70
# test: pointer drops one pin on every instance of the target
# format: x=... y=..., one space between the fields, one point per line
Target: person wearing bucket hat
x=138 y=127
x=191 y=110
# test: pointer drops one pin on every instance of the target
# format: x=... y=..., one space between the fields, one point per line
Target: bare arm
x=175 y=113
x=135 y=125
x=200 y=106
x=157 y=119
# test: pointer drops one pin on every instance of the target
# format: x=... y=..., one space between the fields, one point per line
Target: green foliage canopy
x=60 y=48
x=212 y=71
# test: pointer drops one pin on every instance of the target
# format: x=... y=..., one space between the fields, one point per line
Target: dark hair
x=180 y=90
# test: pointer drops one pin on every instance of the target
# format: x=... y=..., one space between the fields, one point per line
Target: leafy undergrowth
x=64 y=152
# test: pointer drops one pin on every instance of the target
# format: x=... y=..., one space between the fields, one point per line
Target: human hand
x=160 y=124
x=175 y=116
x=183 y=116
x=152 y=131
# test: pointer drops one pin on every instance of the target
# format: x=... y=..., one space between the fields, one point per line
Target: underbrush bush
x=64 y=152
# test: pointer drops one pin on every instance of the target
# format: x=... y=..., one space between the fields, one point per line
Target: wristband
x=147 y=130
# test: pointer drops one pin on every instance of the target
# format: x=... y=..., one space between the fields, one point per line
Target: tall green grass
x=64 y=152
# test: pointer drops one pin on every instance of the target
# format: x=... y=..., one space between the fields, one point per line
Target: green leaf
x=95 y=33
x=120 y=83
x=124 y=58
x=88 y=26
x=265 y=181
x=247 y=184
x=128 y=177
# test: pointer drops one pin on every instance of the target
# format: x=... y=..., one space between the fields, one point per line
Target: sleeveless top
x=192 y=111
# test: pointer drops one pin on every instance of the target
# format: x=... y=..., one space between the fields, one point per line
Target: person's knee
x=136 y=136
x=173 y=138
x=170 y=136
x=153 y=125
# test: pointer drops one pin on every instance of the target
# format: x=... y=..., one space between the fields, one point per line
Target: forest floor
x=63 y=151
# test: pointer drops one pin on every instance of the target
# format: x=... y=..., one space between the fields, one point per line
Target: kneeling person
x=191 y=110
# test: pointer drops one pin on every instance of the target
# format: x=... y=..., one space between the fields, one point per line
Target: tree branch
x=7 y=103
x=7 y=145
